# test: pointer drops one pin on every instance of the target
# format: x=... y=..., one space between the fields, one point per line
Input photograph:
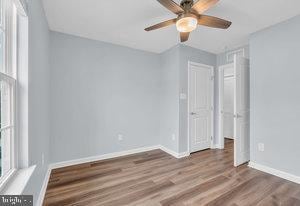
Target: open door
x=241 y=111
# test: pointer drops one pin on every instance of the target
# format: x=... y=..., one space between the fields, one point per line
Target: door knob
x=193 y=113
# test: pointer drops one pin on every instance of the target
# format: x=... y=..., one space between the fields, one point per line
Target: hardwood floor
x=155 y=178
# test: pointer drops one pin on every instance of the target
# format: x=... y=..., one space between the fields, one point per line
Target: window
x=8 y=63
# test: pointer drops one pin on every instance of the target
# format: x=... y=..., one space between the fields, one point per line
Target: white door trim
x=190 y=63
x=221 y=103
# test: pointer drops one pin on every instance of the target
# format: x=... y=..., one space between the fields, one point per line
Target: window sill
x=5 y=179
x=15 y=184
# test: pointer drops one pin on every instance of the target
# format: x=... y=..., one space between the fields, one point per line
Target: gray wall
x=174 y=65
x=275 y=96
x=100 y=90
x=195 y=55
x=38 y=97
x=169 y=100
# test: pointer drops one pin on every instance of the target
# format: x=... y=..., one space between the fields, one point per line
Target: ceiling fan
x=190 y=15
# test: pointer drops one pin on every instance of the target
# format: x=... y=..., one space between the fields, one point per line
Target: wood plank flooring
x=157 y=179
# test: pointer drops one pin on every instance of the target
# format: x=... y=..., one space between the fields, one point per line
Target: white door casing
x=241 y=111
x=200 y=106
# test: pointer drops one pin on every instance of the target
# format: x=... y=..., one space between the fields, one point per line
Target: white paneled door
x=200 y=106
x=241 y=111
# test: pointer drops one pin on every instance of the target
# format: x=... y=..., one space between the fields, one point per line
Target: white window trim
x=9 y=36
x=7 y=181
x=17 y=181
x=5 y=178
x=21 y=6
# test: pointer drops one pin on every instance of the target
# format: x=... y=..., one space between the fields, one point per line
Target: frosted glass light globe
x=186 y=24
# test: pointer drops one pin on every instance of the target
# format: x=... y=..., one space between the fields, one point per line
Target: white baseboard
x=173 y=153
x=101 y=157
x=272 y=171
x=215 y=146
x=44 y=188
x=169 y=151
x=116 y=154
x=183 y=154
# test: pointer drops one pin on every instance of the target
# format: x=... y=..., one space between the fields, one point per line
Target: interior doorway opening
x=234 y=108
x=228 y=105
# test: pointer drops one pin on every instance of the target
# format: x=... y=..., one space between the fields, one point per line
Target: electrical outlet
x=120 y=137
x=261 y=147
x=173 y=137
x=182 y=96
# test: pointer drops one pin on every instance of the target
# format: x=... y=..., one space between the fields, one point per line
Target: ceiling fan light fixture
x=189 y=16
x=186 y=24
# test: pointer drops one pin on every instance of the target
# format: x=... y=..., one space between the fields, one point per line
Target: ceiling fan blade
x=172 y=6
x=212 y=21
x=202 y=5
x=161 y=25
x=184 y=36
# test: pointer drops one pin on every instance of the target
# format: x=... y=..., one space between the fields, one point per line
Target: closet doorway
x=234 y=104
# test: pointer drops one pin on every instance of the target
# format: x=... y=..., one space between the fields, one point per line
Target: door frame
x=191 y=63
x=221 y=102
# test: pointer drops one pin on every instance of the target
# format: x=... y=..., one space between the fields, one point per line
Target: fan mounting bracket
x=186 y=4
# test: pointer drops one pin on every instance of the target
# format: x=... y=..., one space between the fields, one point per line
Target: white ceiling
x=123 y=21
